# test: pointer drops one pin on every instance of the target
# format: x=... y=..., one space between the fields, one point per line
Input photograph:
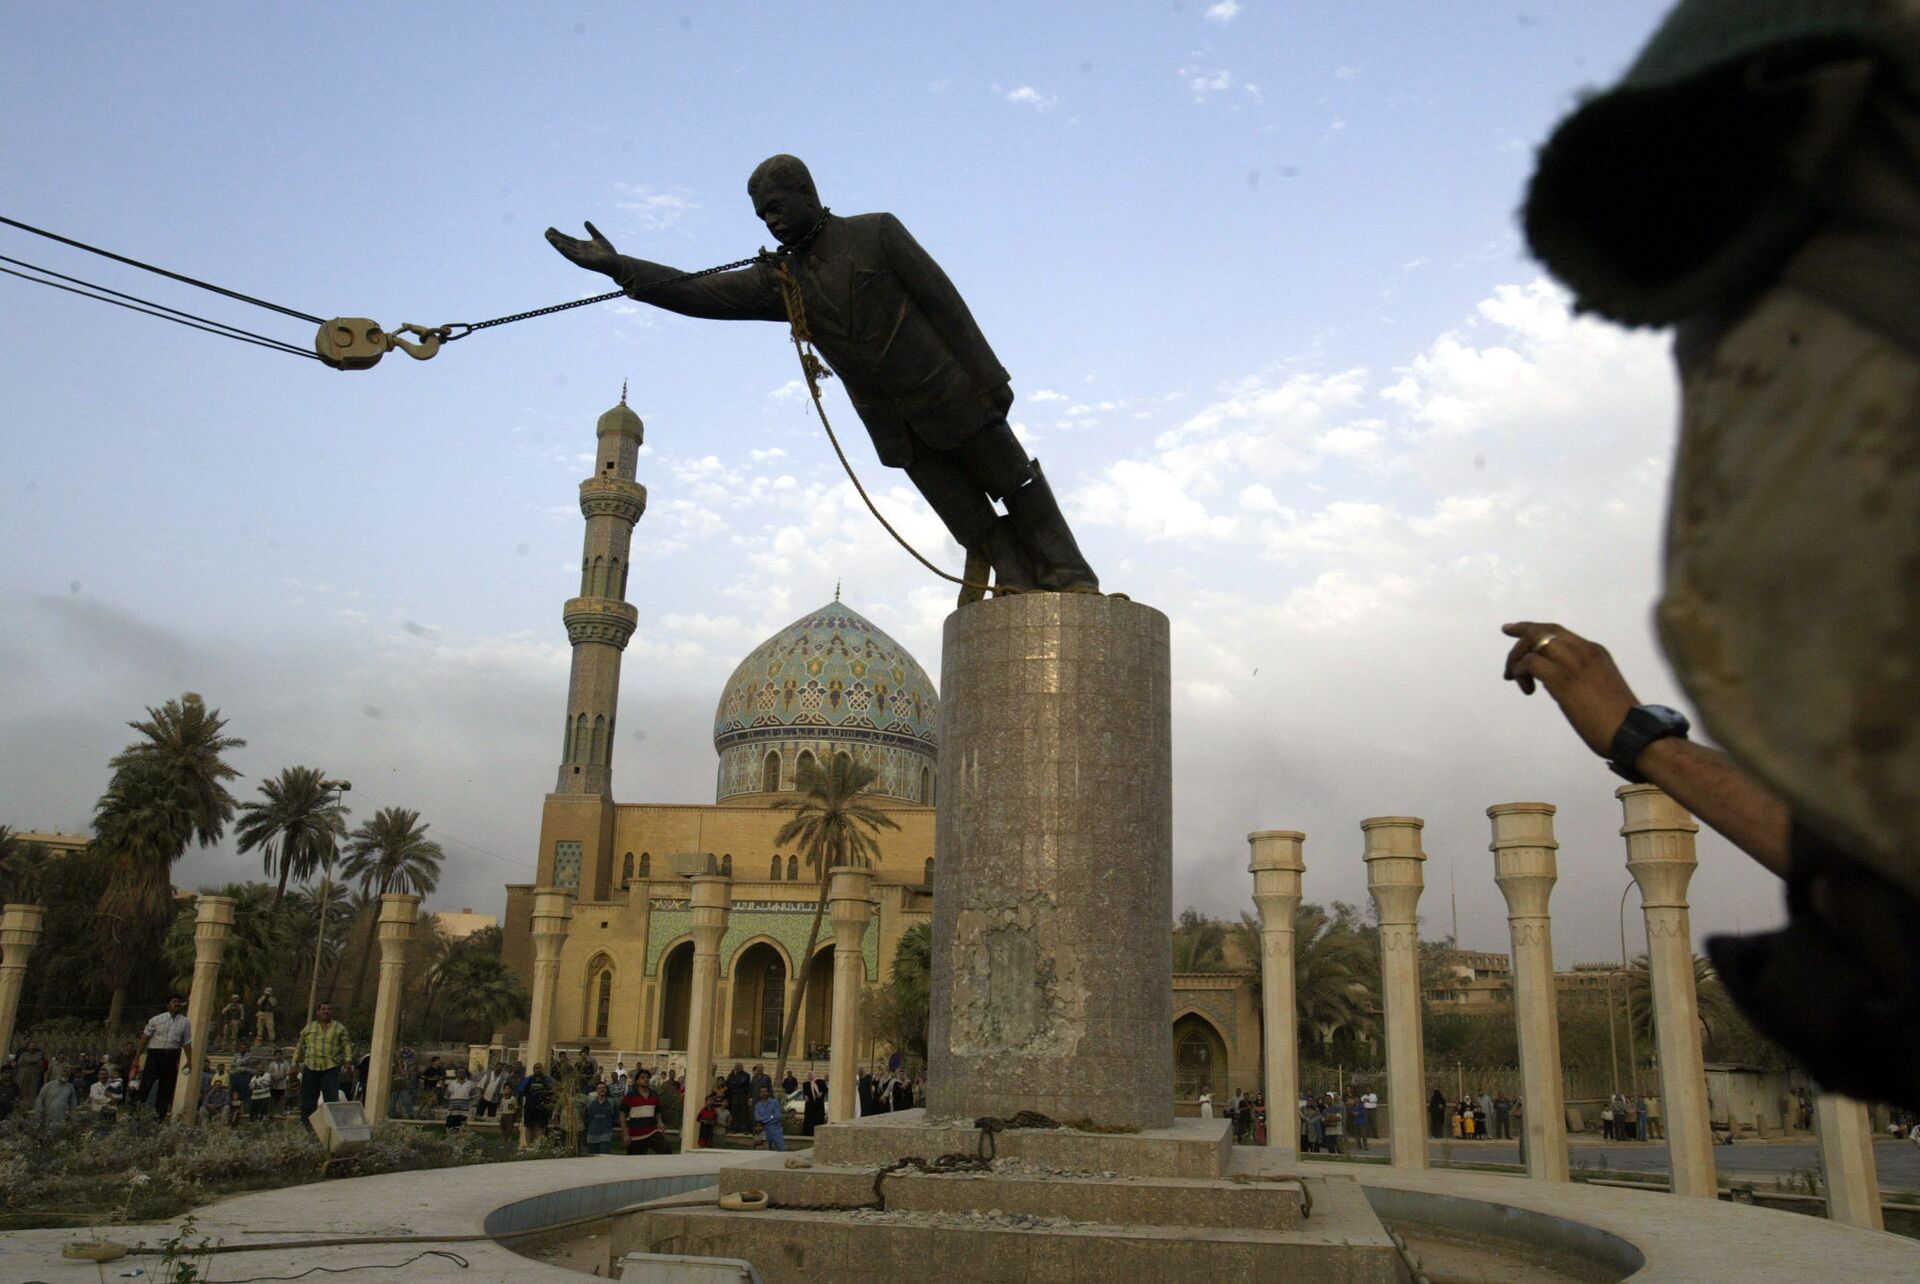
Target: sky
x=1254 y=266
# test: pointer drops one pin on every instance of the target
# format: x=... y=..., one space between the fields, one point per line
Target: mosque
x=830 y=683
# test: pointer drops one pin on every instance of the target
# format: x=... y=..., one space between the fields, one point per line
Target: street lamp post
x=1633 y=1056
x=1613 y=1033
x=337 y=787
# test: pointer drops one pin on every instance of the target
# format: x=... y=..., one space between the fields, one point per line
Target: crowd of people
x=53 y=1088
x=262 y=1080
x=1488 y=1116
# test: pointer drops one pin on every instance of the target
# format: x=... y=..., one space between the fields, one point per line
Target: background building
x=830 y=683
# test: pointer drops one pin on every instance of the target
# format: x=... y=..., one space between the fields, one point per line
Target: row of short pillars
x=21 y=926
x=850 y=907
x=1659 y=838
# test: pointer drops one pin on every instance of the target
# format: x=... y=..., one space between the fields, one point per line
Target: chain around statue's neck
x=807 y=238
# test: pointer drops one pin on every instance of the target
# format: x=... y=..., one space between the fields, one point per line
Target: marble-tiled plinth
x=1052 y=985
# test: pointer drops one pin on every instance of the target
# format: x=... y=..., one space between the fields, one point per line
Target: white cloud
x=1047 y=394
x=1203 y=82
x=1223 y=12
x=654 y=210
x=1028 y=96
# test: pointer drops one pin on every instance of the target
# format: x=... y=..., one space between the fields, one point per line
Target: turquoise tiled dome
x=831 y=681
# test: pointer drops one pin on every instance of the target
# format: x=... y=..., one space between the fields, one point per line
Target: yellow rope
x=815 y=370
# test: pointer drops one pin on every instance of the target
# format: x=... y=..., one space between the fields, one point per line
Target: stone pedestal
x=1523 y=865
x=1057 y=1206
x=1277 y=866
x=1660 y=856
x=20 y=926
x=212 y=925
x=850 y=902
x=1846 y=1156
x=1052 y=984
x=552 y=915
x=1395 y=878
x=711 y=901
x=398 y=914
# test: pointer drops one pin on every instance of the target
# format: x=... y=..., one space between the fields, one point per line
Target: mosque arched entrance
x=676 y=995
x=759 y=1001
x=1199 y=1060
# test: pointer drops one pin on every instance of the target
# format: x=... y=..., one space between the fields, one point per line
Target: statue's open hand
x=596 y=255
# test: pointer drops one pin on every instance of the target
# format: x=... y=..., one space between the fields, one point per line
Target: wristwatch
x=1645 y=724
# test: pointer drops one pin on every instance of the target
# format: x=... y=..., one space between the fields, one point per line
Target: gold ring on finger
x=1544 y=643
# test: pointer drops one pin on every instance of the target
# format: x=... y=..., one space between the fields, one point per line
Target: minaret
x=600 y=621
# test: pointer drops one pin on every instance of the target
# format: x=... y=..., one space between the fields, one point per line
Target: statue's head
x=784 y=197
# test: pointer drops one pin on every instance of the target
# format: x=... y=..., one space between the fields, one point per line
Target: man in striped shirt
x=323 y=1049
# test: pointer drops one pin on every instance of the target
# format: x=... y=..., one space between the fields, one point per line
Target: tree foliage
x=295 y=825
x=833 y=826
x=257 y=951
x=390 y=853
x=167 y=790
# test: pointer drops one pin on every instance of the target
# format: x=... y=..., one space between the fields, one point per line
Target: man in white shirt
x=162 y=1042
x=459 y=1093
x=105 y=1092
x=1371 y=1100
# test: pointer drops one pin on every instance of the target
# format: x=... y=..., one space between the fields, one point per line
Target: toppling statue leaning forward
x=933 y=396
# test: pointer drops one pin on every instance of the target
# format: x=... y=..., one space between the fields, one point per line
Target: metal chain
x=810 y=365
x=461 y=329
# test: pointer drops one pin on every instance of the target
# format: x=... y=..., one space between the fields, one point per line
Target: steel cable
x=148 y=267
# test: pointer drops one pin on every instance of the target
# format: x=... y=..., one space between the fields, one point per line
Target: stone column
x=552 y=914
x=398 y=914
x=712 y=899
x=1846 y=1155
x=1053 y=863
x=1276 y=866
x=20 y=926
x=1523 y=866
x=1660 y=856
x=850 y=901
x=212 y=925
x=1395 y=878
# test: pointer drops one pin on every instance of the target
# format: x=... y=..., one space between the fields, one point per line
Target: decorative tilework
x=831 y=676
x=566 y=864
x=787 y=925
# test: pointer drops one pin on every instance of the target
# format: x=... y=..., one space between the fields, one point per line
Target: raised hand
x=596 y=254
x=1579 y=674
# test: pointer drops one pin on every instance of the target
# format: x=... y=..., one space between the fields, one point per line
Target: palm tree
x=1243 y=939
x=1712 y=1001
x=912 y=984
x=296 y=826
x=167 y=790
x=831 y=824
x=21 y=865
x=261 y=943
x=390 y=853
x=305 y=913
x=361 y=906
x=142 y=826
x=478 y=988
x=1199 y=942
x=1332 y=968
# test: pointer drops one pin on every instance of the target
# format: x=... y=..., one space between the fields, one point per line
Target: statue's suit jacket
x=884 y=316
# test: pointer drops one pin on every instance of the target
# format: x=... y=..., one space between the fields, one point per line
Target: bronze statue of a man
x=933 y=396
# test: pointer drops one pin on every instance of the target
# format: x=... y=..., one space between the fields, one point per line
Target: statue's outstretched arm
x=749 y=294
